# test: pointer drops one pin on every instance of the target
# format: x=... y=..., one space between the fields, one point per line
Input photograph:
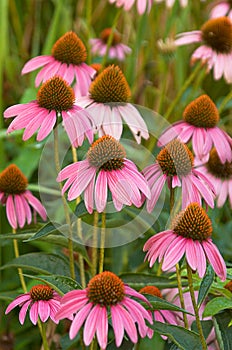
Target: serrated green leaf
x=140 y=280
x=216 y=305
x=40 y=263
x=161 y=304
x=44 y=231
x=205 y=285
x=62 y=284
x=223 y=320
x=183 y=338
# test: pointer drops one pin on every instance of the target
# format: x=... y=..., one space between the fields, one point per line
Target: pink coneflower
x=55 y=98
x=220 y=175
x=164 y=316
x=108 y=105
x=170 y=3
x=216 y=51
x=142 y=5
x=106 y=294
x=200 y=126
x=16 y=197
x=174 y=165
x=190 y=235
x=117 y=49
x=67 y=60
x=42 y=301
x=172 y=296
x=221 y=8
x=105 y=166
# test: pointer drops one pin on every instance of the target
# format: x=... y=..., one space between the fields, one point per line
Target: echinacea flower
x=106 y=295
x=200 y=126
x=67 y=60
x=164 y=316
x=108 y=105
x=216 y=51
x=189 y=236
x=117 y=50
x=16 y=197
x=42 y=301
x=55 y=98
x=105 y=166
x=174 y=165
x=170 y=3
x=220 y=175
x=172 y=296
x=221 y=8
x=142 y=5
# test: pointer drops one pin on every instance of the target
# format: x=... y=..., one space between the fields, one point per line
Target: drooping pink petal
x=35 y=203
x=23 y=311
x=19 y=210
x=34 y=312
x=156 y=192
x=215 y=259
x=117 y=325
x=191 y=253
x=100 y=194
x=102 y=328
x=17 y=301
x=128 y=323
x=174 y=253
x=47 y=126
x=79 y=319
x=43 y=310
x=201 y=259
x=89 y=195
x=91 y=324
x=188 y=38
x=10 y=211
x=35 y=63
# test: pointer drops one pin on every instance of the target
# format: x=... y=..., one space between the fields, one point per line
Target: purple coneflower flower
x=200 y=126
x=108 y=105
x=220 y=174
x=105 y=294
x=16 y=197
x=117 y=49
x=105 y=166
x=42 y=301
x=190 y=235
x=67 y=60
x=142 y=5
x=55 y=98
x=221 y=8
x=164 y=316
x=174 y=165
x=216 y=51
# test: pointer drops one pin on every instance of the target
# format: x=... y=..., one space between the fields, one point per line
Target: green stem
x=94 y=247
x=102 y=243
x=110 y=39
x=42 y=329
x=182 y=304
x=89 y=25
x=182 y=90
x=226 y=99
x=195 y=307
x=20 y=271
x=66 y=210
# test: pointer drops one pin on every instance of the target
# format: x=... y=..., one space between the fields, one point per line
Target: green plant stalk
x=102 y=243
x=67 y=217
x=94 y=246
x=79 y=232
x=110 y=39
x=196 y=311
x=187 y=83
x=226 y=99
x=43 y=334
x=20 y=271
x=89 y=8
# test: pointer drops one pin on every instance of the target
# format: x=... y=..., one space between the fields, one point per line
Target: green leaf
x=216 y=305
x=161 y=304
x=223 y=320
x=206 y=327
x=40 y=263
x=81 y=210
x=126 y=345
x=47 y=229
x=183 y=338
x=62 y=284
x=205 y=285
x=140 y=280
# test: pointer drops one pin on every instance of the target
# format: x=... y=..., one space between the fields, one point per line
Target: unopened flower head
x=67 y=60
x=142 y=5
x=189 y=236
x=105 y=166
x=42 y=302
x=199 y=125
x=216 y=49
x=174 y=165
x=220 y=174
x=55 y=98
x=106 y=295
x=108 y=104
x=18 y=200
x=117 y=50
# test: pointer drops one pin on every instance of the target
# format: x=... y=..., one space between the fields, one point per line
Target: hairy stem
x=20 y=271
x=102 y=243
